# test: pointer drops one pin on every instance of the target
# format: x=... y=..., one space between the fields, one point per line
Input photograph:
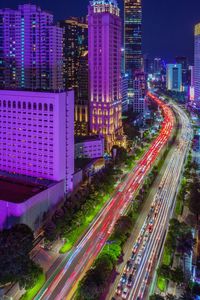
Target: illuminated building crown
x=100 y=6
x=97 y=2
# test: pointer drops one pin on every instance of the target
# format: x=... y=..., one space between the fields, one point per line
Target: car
x=133 y=256
x=134 y=271
x=150 y=227
x=135 y=247
x=128 y=266
x=123 y=278
x=130 y=280
x=118 y=290
x=125 y=293
x=139 y=258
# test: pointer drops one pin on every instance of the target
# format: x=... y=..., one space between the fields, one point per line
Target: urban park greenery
x=16 y=265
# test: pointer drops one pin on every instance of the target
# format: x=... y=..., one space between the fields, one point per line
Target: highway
x=135 y=280
x=64 y=281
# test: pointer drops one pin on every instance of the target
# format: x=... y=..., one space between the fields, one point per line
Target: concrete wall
x=31 y=212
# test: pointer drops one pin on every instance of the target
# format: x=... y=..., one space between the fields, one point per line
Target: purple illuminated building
x=30 y=49
x=37 y=134
x=104 y=29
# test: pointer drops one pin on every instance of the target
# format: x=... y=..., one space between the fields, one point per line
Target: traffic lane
x=95 y=236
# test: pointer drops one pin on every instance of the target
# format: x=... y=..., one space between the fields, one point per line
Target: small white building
x=89 y=147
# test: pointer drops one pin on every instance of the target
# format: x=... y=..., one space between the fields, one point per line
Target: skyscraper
x=31 y=49
x=197 y=65
x=76 y=68
x=133 y=40
x=104 y=28
x=82 y=101
x=157 y=65
x=174 y=77
x=75 y=44
x=185 y=69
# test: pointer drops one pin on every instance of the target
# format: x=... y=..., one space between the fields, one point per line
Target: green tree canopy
x=15 y=264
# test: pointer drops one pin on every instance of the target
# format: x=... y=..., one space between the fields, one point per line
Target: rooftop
x=88 y=138
x=19 y=188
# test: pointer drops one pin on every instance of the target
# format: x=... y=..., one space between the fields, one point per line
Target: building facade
x=133 y=41
x=104 y=26
x=30 y=49
x=75 y=44
x=76 y=69
x=37 y=134
x=140 y=91
x=89 y=147
x=23 y=202
x=197 y=65
x=124 y=92
x=174 y=77
x=82 y=101
x=185 y=70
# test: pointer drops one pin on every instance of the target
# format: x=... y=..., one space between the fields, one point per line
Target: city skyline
x=154 y=13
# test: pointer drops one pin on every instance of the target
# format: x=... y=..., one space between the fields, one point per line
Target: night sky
x=168 y=24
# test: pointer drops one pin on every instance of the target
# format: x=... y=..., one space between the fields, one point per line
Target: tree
x=94 y=282
x=177 y=275
x=15 y=263
x=164 y=271
x=185 y=243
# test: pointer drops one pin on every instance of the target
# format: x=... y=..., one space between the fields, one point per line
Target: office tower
x=104 y=29
x=148 y=64
x=157 y=65
x=140 y=91
x=185 y=72
x=75 y=60
x=82 y=101
x=197 y=64
x=75 y=44
x=133 y=40
x=32 y=49
x=191 y=83
x=37 y=134
x=174 y=77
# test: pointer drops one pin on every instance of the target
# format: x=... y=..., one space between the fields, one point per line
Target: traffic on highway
x=63 y=282
x=135 y=280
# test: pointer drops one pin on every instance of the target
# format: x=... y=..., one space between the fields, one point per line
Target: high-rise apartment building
x=30 y=49
x=174 y=77
x=76 y=68
x=185 y=69
x=104 y=26
x=197 y=64
x=75 y=44
x=82 y=101
x=140 y=91
x=37 y=134
x=157 y=65
x=133 y=40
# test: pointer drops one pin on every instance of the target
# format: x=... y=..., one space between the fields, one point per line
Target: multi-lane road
x=63 y=282
x=135 y=280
